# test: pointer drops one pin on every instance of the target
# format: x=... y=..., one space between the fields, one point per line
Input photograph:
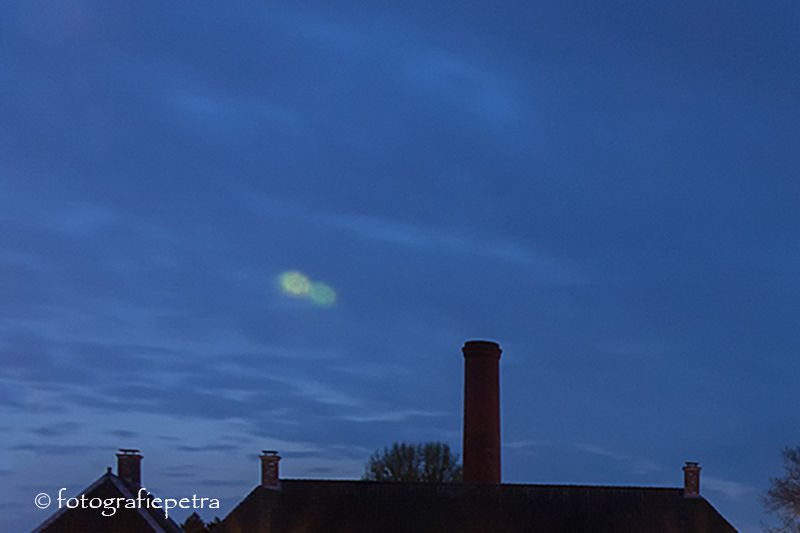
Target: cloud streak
x=432 y=240
x=634 y=463
x=392 y=416
x=733 y=490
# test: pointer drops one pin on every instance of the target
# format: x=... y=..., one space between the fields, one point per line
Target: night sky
x=234 y=227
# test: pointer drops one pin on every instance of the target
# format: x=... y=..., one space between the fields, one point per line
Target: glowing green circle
x=295 y=283
x=322 y=294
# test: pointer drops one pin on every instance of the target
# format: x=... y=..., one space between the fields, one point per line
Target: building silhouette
x=125 y=485
x=480 y=504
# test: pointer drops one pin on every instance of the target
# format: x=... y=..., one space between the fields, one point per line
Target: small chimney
x=481 y=412
x=129 y=467
x=691 y=480
x=269 y=469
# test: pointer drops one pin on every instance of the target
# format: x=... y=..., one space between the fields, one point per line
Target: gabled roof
x=139 y=520
x=358 y=506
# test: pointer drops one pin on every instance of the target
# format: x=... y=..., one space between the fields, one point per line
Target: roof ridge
x=124 y=489
x=460 y=484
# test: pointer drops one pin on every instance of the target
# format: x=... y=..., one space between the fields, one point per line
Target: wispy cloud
x=435 y=239
x=635 y=463
x=392 y=416
x=123 y=433
x=546 y=268
x=56 y=430
x=206 y=107
x=82 y=219
x=521 y=444
x=207 y=448
x=319 y=391
x=221 y=483
x=461 y=79
x=326 y=466
x=734 y=490
x=408 y=53
x=53 y=449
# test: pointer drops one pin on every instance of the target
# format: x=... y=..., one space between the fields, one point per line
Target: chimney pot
x=129 y=467
x=691 y=480
x=481 y=411
x=269 y=469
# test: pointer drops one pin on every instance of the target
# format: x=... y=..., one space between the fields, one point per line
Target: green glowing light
x=322 y=294
x=295 y=283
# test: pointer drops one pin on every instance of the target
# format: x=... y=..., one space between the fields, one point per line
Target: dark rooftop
x=362 y=506
x=124 y=520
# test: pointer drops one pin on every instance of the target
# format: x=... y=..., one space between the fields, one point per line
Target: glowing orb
x=322 y=294
x=295 y=283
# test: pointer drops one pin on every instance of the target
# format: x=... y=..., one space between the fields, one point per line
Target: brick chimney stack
x=691 y=480
x=481 y=412
x=269 y=469
x=129 y=467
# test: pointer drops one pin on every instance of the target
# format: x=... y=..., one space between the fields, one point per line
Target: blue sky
x=607 y=189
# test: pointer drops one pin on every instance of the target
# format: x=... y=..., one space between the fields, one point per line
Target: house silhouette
x=479 y=504
x=126 y=485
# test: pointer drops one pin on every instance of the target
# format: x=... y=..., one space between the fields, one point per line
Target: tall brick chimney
x=691 y=480
x=481 y=412
x=269 y=469
x=129 y=467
